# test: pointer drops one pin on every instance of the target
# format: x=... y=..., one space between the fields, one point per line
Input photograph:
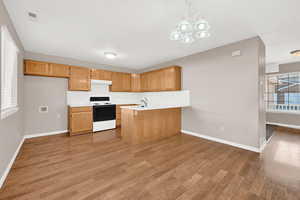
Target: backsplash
x=79 y=98
x=181 y=98
x=173 y=98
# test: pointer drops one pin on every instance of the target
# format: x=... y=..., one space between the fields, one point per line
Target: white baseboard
x=2 y=179
x=284 y=125
x=265 y=143
x=242 y=146
x=44 y=134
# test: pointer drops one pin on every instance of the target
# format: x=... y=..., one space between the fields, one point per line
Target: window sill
x=284 y=112
x=7 y=112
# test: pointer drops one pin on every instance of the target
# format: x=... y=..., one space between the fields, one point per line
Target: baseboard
x=242 y=146
x=45 y=134
x=284 y=125
x=265 y=143
x=2 y=179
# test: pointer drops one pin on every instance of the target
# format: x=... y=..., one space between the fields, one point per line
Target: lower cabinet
x=118 y=113
x=80 y=120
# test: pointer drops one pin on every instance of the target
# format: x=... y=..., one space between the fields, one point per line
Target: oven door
x=104 y=113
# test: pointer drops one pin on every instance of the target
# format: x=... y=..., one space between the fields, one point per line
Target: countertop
x=89 y=104
x=154 y=107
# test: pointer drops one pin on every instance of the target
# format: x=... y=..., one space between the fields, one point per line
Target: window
x=283 y=92
x=9 y=74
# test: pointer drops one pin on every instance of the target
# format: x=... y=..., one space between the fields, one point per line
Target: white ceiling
x=138 y=30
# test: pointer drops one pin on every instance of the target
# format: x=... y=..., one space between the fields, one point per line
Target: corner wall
x=225 y=93
x=11 y=128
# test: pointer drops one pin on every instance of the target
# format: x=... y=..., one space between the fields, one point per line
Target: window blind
x=9 y=73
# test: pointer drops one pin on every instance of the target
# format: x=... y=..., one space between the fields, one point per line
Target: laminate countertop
x=154 y=107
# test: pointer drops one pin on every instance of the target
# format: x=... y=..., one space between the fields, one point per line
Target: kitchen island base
x=141 y=126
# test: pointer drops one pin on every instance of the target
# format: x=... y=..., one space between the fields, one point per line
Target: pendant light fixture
x=191 y=28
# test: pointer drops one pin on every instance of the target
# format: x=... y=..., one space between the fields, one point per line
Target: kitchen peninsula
x=147 y=124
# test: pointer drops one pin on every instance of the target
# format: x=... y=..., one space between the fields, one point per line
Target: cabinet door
x=121 y=82
x=135 y=82
x=79 y=79
x=81 y=122
x=171 y=79
x=116 y=82
x=145 y=83
x=36 y=68
x=99 y=74
x=59 y=70
x=126 y=82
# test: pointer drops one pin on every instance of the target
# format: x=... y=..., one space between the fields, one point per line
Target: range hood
x=102 y=82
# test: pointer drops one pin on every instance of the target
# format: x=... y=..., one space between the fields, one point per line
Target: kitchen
x=147 y=99
x=97 y=98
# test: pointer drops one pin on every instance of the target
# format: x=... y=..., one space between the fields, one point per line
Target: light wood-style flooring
x=102 y=166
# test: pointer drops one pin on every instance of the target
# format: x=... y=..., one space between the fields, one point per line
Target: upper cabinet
x=136 y=83
x=165 y=79
x=37 y=68
x=121 y=82
x=80 y=79
x=59 y=70
x=99 y=74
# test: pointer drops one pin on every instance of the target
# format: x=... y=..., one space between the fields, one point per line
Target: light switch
x=236 y=53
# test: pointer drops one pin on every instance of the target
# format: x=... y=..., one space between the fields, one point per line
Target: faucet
x=145 y=102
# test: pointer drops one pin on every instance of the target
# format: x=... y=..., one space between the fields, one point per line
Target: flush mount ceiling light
x=191 y=28
x=296 y=52
x=110 y=55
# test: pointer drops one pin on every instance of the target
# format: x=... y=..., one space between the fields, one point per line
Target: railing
x=283 y=107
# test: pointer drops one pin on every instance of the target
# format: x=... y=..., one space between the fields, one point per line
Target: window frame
x=4 y=113
x=266 y=93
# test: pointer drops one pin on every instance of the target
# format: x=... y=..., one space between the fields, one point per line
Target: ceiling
x=138 y=30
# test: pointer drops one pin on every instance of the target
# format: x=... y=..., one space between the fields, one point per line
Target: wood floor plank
x=102 y=166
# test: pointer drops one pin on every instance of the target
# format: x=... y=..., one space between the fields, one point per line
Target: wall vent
x=32 y=16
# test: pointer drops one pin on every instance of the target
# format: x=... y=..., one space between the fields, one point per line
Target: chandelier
x=191 y=28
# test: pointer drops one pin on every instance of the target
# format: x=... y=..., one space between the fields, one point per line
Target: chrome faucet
x=145 y=102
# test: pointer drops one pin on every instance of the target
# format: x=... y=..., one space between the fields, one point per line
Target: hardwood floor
x=101 y=166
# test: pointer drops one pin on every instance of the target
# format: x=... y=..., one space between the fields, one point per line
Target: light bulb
x=188 y=39
x=185 y=26
x=175 y=35
x=202 y=25
x=110 y=55
x=203 y=34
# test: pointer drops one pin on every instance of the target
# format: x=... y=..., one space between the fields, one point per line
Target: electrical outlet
x=43 y=109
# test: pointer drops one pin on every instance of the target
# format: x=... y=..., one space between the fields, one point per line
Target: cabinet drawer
x=81 y=109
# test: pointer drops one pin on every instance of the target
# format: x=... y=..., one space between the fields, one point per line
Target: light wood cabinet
x=80 y=120
x=36 y=68
x=166 y=79
x=59 y=70
x=99 y=74
x=80 y=79
x=118 y=113
x=141 y=126
x=121 y=82
x=135 y=82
